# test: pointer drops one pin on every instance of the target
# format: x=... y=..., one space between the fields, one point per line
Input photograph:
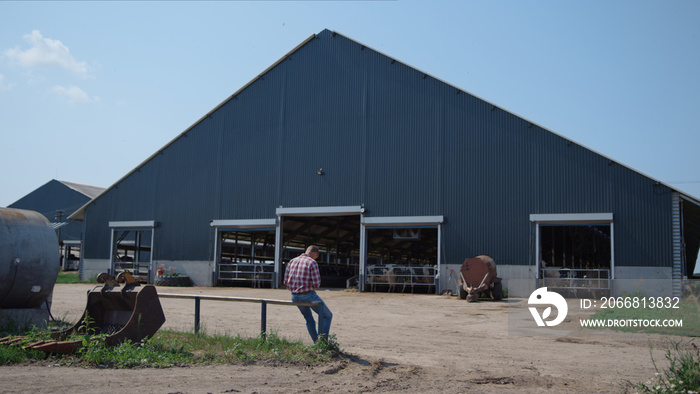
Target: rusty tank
x=29 y=259
x=478 y=275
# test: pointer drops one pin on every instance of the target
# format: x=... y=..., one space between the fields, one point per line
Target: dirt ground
x=414 y=343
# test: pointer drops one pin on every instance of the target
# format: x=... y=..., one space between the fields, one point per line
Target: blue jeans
x=325 y=315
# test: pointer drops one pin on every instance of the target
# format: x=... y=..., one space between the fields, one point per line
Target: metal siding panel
x=248 y=153
x=499 y=169
x=404 y=140
x=51 y=197
x=186 y=180
x=323 y=125
x=175 y=189
x=486 y=173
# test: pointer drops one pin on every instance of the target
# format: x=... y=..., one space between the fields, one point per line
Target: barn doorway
x=402 y=260
x=355 y=249
x=338 y=238
x=245 y=253
x=131 y=249
x=575 y=253
x=402 y=254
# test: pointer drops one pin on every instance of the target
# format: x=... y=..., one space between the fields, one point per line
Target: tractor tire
x=497 y=291
x=462 y=293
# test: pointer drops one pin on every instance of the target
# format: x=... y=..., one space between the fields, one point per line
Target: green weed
x=681 y=376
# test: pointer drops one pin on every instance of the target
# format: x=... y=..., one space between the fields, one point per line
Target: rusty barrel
x=479 y=272
x=29 y=258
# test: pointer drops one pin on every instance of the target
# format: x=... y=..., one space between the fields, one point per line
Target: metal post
x=263 y=319
x=363 y=257
x=217 y=256
x=136 y=264
x=112 y=245
x=436 y=278
x=278 y=253
x=196 y=315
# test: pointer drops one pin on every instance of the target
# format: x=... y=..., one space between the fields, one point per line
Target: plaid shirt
x=302 y=275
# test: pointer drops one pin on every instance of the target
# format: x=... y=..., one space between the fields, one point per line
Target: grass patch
x=170 y=348
x=681 y=376
x=72 y=277
x=688 y=312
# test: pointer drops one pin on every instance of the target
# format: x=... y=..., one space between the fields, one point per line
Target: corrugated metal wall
x=388 y=137
x=51 y=197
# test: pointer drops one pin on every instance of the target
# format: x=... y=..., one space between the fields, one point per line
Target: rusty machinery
x=122 y=312
x=478 y=276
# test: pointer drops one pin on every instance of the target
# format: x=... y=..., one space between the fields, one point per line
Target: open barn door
x=335 y=230
x=245 y=252
x=401 y=254
x=352 y=247
x=575 y=253
x=131 y=249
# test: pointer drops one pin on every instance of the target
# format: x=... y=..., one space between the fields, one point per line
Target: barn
x=398 y=177
x=57 y=200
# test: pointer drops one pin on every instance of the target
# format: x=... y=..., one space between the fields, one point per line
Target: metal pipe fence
x=263 y=306
x=574 y=278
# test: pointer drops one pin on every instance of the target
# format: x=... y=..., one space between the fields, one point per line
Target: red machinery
x=478 y=275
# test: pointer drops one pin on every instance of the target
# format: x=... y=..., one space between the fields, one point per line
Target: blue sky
x=88 y=90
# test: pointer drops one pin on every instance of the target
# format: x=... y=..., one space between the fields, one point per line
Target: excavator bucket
x=127 y=312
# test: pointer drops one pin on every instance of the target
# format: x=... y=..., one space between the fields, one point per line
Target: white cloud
x=74 y=94
x=46 y=52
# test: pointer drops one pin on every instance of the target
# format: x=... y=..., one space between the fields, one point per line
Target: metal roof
x=86 y=190
x=57 y=225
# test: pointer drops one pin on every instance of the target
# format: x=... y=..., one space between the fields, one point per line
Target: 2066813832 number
x=640 y=302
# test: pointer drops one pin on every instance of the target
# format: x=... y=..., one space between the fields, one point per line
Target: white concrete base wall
x=649 y=281
x=521 y=281
x=199 y=271
x=449 y=278
x=90 y=268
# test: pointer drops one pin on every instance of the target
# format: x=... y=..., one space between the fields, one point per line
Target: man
x=302 y=278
